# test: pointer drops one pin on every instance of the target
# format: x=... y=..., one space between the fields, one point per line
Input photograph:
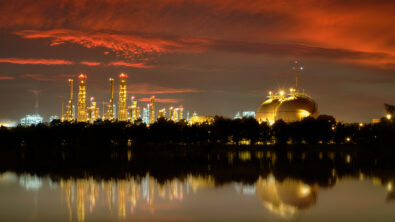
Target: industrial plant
x=290 y=107
x=90 y=113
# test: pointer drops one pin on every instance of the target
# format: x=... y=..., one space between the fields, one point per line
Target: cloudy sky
x=213 y=57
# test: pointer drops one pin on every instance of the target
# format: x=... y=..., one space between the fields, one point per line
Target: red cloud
x=90 y=63
x=127 y=64
x=44 y=78
x=154 y=90
x=36 y=61
x=161 y=100
x=122 y=26
x=7 y=77
x=131 y=46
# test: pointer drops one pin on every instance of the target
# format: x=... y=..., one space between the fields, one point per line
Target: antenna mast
x=297 y=68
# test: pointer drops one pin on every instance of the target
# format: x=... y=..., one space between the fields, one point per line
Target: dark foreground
x=199 y=183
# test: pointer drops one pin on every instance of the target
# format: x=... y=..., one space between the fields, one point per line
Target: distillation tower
x=133 y=112
x=110 y=107
x=82 y=115
x=122 y=108
x=152 y=110
x=69 y=115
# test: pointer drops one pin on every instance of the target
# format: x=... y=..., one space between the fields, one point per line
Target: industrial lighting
x=389 y=116
x=281 y=93
x=303 y=113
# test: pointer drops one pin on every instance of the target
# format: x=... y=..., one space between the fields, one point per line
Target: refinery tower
x=110 y=107
x=122 y=107
x=69 y=115
x=82 y=115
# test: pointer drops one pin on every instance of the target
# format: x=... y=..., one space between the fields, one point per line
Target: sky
x=213 y=57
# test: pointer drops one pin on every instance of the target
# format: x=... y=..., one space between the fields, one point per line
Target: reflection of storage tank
x=287 y=197
x=292 y=107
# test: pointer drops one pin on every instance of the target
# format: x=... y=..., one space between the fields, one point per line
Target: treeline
x=321 y=130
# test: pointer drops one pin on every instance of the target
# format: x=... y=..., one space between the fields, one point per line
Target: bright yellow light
x=360 y=124
x=389 y=116
x=348 y=139
x=389 y=187
x=348 y=158
x=304 y=191
x=292 y=90
x=281 y=93
x=303 y=113
x=270 y=93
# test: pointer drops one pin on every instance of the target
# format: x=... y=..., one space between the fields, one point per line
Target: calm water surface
x=195 y=198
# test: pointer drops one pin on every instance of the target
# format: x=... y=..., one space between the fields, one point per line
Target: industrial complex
x=289 y=106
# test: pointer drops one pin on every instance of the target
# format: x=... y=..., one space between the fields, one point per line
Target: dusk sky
x=211 y=56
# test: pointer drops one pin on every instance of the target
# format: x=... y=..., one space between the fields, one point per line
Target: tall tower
x=110 y=106
x=297 y=68
x=152 y=110
x=122 y=108
x=181 y=112
x=82 y=99
x=69 y=115
x=133 y=110
x=171 y=113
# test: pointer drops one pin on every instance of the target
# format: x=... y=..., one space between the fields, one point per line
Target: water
x=27 y=197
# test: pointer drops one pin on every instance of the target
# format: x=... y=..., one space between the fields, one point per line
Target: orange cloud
x=127 y=64
x=7 y=77
x=90 y=63
x=191 y=26
x=154 y=90
x=161 y=100
x=132 y=46
x=35 y=61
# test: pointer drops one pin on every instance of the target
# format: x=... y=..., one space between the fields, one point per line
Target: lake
x=26 y=197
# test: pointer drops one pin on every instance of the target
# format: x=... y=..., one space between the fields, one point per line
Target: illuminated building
x=181 y=114
x=152 y=110
x=175 y=115
x=162 y=113
x=171 y=113
x=110 y=107
x=146 y=114
x=69 y=115
x=133 y=110
x=244 y=114
x=195 y=119
x=53 y=117
x=137 y=112
x=29 y=120
x=187 y=116
x=82 y=117
x=292 y=107
x=122 y=107
x=93 y=112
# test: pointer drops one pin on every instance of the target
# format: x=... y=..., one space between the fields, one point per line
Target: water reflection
x=285 y=198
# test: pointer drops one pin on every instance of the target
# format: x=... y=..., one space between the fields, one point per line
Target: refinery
x=289 y=107
x=112 y=112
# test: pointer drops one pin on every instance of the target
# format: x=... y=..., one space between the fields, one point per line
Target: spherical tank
x=267 y=110
x=295 y=108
